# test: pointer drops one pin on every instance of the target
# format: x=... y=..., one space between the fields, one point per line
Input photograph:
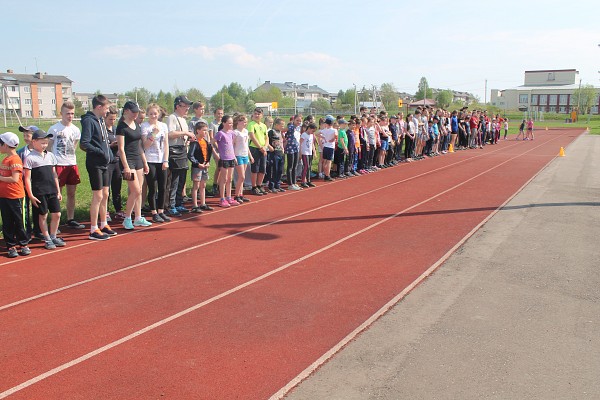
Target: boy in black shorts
x=41 y=183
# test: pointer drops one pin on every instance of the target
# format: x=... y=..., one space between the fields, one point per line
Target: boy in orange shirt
x=12 y=197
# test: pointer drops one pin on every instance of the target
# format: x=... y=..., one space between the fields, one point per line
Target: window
x=28 y=113
x=28 y=102
x=551 y=76
x=39 y=89
x=53 y=89
x=552 y=109
x=26 y=89
x=53 y=101
x=563 y=109
x=13 y=100
x=563 y=98
x=41 y=113
x=40 y=102
x=523 y=98
x=543 y=100
x=535 y=99
x=553 y=99
x=13 y=88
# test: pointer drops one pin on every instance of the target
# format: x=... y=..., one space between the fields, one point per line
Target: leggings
x=306 y=163
x=292 y=163
x=157 y=181
x=408 y=147
x=114 y=174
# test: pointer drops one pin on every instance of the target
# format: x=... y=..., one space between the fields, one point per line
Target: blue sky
x=334 y=44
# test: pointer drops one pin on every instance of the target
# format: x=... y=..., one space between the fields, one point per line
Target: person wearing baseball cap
x=12 y=197
x=30 y=128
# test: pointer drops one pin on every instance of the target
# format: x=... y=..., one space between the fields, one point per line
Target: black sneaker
x=39 y=236
x=196 y=210
x=328 y=179
x=262 y=190
x=12 y=252
x=156 y=218
x=206 y=207
x=304 y=185
x=98 y=235
x=74 y=224
x=256 y=191
x=310 y=184
x=24 y=251
x=107 y=231
x=164 y=217
x=59 y=242
x=244 y=199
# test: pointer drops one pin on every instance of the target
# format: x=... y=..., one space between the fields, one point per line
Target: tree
x=140 y=95
x=194 y=94
x=286 y=102
x=321 y=104
x=223 y=99
x=262 y=95
x=78 y=107
x=389 y=96
x=444 y=98
x=424 y=90
x=584 y=97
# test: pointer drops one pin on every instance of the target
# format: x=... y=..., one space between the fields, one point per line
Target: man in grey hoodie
x=94 y=141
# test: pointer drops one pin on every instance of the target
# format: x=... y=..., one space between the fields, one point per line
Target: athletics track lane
x=241 y=345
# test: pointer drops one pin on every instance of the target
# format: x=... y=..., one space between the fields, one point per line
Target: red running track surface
x=238 y=302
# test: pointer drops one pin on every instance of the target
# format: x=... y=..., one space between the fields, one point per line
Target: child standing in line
x=12 y=197
x=276 y=156
x=41 y=183
x=32 y=225
x=319 y=141
x=329 y=137
x=350 y=166
x=223 y=140
x=199 y=154
x=530 y=129
x=341 y=150
x=292 y=152
x=307 y=149
x=505 y=128
x=242 y=155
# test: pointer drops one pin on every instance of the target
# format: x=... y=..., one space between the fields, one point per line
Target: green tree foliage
x=320 y=104
x=389 y=97
x=423 y=91
x=79 y=111
x=270 y=95
x=194 y=94
x=286 y=102
x=223 y=99
x=444 y=98
x=584 y=97
x=141 y=95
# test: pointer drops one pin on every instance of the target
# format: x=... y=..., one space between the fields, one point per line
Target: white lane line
x=118 y=271
x=308 y=371
x=164 y=321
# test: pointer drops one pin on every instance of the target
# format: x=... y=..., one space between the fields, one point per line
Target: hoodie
x=94 y=140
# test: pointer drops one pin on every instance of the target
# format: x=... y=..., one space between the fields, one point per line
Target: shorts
x=48 y=202
x=384 y=145
x=328 y=153
x=260 y=161
x=99 y=177
x=226 y=163
x=242 y=160
x=135 y=163
x=68 y=175
x=199 y=174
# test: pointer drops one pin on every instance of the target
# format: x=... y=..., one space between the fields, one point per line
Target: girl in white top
x=156 y=148
x=242 y=155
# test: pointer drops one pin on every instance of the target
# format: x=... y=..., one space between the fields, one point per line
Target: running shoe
x=107 y=231
x=12 y=252
x=304 y=185
x=256 y=191
x=98 y=235
x=58 y=242
x=173 y=212
x=232 y=202
x=196 y=210
x=142 y=222
x=328 y=179
x=156 y=218
x=182 y=210
x=223 y=203
x=74 y=224
x=310 y=184
x=24 y=251
x=164 y=217
x=128 y=224
x=206 y=207
x=49 y=245
x=293 y=187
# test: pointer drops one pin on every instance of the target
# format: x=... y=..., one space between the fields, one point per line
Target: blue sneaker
x=127 y=224
x=142 y=222
x=182 y=210
x=173 y=212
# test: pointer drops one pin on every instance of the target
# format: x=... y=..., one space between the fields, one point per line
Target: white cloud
x=122 y=52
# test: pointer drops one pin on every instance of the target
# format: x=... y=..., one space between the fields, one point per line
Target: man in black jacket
x=94 y=141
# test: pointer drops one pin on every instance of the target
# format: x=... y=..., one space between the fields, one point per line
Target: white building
x=34 y=96
x=303 y=93
x=545 y=91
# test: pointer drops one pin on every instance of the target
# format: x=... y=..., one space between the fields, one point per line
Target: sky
x=114 y=46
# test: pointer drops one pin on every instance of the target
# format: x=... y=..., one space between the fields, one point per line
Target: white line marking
x=118 y=271
x=164 y=321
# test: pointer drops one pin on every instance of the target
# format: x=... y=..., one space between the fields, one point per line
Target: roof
x=425 y=102
x=524 y=88
x=32 y=78
x=553 y=70
x=289 y=86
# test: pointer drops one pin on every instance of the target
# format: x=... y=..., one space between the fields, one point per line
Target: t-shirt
x=275 y=141
x=194 y=121
x=371 y=139
x=342 y=138
x=156 y=151
x=291 y=143
x=260 y=132
x=176 y=123
x=64 y=143
x=306 y=144
x=12 y=190
x=328 y=135
x=132 y=139
x=240 y=142
x=225 y=145
x=42 y=172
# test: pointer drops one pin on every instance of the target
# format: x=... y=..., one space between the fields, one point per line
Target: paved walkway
x=513 y=314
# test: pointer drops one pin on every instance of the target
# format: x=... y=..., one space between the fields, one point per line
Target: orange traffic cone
x=451 y=148
x=561 y=153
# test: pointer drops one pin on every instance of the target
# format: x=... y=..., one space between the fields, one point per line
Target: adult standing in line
x=179 y=134
x=258 y=148
x=114 y=168
x=64 y=139
x=94 y=141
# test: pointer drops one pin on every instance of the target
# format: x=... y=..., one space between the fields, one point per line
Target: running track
x=244 y=302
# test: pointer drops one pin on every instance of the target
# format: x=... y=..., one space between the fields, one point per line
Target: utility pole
x=485 y=93
x=3 y=103
x=355 y=97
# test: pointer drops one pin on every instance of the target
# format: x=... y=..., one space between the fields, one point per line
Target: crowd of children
x=153 y=158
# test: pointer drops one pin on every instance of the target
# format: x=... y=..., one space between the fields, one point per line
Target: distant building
x=303 y=93
x=545 y=90
x=37 y=95
x=86 y=99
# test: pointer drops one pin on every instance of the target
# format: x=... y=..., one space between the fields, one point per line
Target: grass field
x=84 y=193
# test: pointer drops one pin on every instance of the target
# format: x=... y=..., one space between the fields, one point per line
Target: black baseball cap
x=41 y=134
x=131 y=106
x=181 y=99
